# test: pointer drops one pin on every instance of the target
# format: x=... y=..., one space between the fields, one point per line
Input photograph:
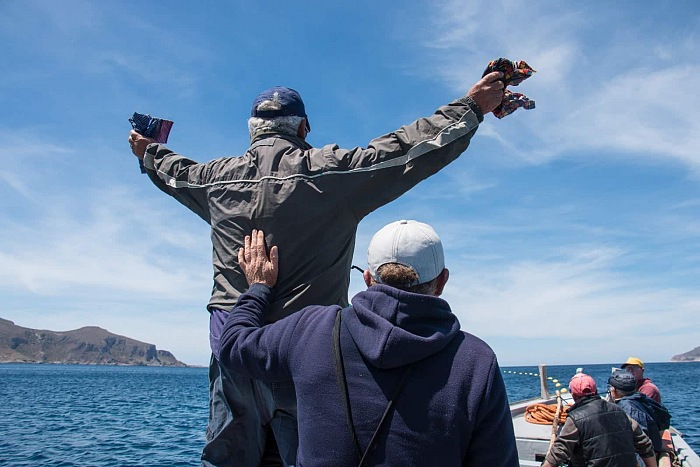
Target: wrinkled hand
x=138 y=143
x=488 y=92
x=252 y=257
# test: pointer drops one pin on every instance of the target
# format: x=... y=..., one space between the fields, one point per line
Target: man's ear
x=368 y=278
x=441 y=281
x=301 y=131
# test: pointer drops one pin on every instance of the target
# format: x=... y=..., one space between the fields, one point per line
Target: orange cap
x=633 y=361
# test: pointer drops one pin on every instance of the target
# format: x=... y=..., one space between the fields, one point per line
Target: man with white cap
x=598 y=433
x=310 y=200
x=644 y=385
x=390 y=380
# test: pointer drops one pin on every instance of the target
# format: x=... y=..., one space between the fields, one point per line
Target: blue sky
x=572 y=231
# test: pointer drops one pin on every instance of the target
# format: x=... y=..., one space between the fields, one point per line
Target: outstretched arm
x=181 y=178
x=393 y=163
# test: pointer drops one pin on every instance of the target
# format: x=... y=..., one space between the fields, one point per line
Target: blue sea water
x=75 y=415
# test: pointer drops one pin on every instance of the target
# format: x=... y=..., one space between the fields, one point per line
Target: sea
x=85 y=415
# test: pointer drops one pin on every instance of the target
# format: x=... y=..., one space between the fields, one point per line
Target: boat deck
x=532 y=439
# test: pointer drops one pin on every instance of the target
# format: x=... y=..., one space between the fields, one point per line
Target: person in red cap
x=598 y=433
x=311 y=201
x=644 y=385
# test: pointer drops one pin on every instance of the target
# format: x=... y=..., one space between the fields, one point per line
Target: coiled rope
x=543 y=414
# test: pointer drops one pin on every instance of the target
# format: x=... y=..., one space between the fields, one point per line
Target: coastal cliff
x=88 y=345
x=692 y=356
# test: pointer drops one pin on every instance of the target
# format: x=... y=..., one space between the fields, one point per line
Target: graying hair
x=287 y=125
x=399 y=276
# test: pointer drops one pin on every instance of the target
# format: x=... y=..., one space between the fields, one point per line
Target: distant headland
x=86 y=346
x=692 y=356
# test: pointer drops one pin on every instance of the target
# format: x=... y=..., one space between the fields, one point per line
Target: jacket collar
x=295 y=140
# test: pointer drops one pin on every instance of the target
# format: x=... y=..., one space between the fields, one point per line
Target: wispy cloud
x=626 y=98
x=579 y=303
x=111 y=249
x=90 y=238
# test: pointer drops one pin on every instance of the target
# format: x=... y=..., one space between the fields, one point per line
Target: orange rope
x=543 y=414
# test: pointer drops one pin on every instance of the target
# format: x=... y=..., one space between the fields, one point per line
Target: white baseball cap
x=410 y=243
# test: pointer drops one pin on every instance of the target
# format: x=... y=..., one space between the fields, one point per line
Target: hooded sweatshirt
x=651 y=416
x=452 y=410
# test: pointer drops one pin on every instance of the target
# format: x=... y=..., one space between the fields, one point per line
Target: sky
x=571 y=231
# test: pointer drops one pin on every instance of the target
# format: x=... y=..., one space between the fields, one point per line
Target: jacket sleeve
x=494 y=427
x=181 y=178
x=393 y=163
x=250 y=347
x=642 y=443
x=564 y=444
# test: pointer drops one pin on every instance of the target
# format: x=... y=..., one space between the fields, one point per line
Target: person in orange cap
x=644 y=385
x=598 y=433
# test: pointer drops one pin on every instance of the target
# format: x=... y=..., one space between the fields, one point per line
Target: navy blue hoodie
x=452 y=411
x=651 y=416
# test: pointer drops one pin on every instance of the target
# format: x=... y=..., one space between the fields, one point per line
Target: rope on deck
x=543 y=414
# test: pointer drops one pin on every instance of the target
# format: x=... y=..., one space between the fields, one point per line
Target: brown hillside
x=88 y=345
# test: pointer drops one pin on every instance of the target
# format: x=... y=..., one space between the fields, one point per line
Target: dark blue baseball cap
x=289 y=99
x=623 y=381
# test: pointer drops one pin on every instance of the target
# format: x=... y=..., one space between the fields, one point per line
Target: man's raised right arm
x=395 y=162
x=483 y=97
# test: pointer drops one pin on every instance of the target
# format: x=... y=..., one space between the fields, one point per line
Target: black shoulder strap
x=343 y=385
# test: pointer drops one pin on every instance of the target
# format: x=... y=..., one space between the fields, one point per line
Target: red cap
x=582 y=385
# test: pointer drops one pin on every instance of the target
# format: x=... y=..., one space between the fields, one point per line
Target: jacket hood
x=655 y=410
x=392 y=328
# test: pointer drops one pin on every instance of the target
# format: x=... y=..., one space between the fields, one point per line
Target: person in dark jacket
x=652 y=417
x=398 y=343
x=597 y=433
x=311 y=201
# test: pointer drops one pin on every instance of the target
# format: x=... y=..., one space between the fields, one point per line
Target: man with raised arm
x=310 y=200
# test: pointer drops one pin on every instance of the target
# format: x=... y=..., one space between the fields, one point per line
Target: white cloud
x=588 y=100
x=580 y=302
x=642 y=112
x=74 y=239
x=112 y=247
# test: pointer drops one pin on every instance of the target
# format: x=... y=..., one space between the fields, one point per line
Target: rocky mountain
x=88 y=345
x=692 y=356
